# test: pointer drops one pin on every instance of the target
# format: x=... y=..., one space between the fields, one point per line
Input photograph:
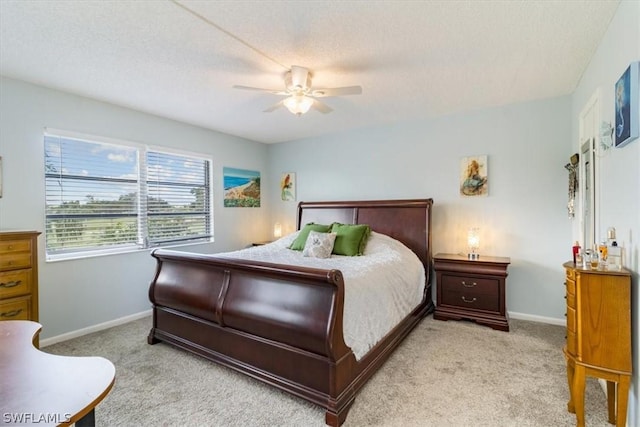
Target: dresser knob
x=468 y=300
x=467 y=285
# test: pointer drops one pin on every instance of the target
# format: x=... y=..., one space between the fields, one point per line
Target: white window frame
x=142 y=150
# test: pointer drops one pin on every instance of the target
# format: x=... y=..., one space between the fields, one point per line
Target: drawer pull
x=12 y=313
x=468 y=300
x=467 y=285
x=11 y=284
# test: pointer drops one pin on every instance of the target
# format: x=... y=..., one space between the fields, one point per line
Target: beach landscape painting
x=241 y=188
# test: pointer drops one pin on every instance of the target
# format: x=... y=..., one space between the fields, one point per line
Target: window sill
x=110 y=252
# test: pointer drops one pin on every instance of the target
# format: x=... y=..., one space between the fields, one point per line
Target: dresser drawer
x=571 y=342
x=9 y=246
x=571 y=273
x=471 y=293
x=16 y=308
x=571 y=300
x=571 y=319
x=15 y=283
x=15 y=260
x=571 y=287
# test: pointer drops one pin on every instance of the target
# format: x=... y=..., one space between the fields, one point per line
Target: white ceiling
x=413 y=59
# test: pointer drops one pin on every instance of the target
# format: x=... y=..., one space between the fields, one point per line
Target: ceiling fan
x=300 y=95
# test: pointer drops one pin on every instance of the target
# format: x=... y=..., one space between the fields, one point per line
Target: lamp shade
x=473 y=242
x=277 y=230
x=298 y=104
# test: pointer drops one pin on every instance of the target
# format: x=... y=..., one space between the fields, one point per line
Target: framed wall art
x=241 y=188
x=626 y=106
x=474 y=179
x=288 y=186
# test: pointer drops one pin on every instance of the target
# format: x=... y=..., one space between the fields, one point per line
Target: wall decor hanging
x=241 y=188
x=288 y=186
x=474 y=176
x=626 y=108
x=572 y=167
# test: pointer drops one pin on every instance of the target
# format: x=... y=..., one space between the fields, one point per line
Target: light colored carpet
x=444 y=374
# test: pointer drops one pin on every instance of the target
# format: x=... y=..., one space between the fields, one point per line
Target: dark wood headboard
x=408 y=221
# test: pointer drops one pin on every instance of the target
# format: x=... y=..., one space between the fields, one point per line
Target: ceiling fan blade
x=273 y=91
x=321 y=106
x=337 y=91
x=274 y=107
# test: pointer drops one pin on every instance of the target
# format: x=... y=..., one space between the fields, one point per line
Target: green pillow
x=351 y=239
x=299 y=242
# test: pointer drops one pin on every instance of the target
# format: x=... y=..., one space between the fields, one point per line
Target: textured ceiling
x=413 y=59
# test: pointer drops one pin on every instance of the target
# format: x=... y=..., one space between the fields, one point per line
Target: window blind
x=111 y=197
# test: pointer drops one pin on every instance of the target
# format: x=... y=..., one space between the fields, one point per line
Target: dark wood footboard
x=282 y=324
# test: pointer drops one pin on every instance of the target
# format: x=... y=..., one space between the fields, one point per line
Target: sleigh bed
x=283 y=324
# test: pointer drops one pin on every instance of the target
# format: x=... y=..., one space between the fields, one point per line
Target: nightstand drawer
x=15 y=283
x=16 y=308
x=470 y=285
x=471 y=292
x=471 y=300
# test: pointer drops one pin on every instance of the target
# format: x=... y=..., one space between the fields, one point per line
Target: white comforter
x=381 y=287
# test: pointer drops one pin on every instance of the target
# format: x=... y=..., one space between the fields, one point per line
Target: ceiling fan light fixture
x=298 y=104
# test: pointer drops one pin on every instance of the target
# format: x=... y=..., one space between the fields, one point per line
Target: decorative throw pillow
x=351 y=239
x=319 y=245
x=298 y=243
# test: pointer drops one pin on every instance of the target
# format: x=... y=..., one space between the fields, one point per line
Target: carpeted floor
x=444 y=374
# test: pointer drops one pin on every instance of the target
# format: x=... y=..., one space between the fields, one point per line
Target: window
x=105 y=197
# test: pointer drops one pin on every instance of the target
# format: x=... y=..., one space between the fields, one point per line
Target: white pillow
x=319 y=245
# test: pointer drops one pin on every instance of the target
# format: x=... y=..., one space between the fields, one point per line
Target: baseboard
x=95 y=328
x=539 y=319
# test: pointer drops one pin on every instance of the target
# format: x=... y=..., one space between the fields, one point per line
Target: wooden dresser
x=598 y=337
x=472 y=289
x=19 y=275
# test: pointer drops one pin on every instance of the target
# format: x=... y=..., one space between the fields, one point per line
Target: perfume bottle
x=576 y=252
x=614 y=259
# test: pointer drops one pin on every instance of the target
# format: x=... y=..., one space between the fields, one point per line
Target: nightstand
x=472 y=289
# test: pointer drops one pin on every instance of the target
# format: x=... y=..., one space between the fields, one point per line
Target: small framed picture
x=626 y=100
x=474 y=180
x=288 y=186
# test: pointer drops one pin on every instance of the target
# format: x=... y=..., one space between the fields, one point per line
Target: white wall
x=619 y=179
x=82 y=293
x=524 y=217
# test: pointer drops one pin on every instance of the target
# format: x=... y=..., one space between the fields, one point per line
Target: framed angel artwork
x=474 y=180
